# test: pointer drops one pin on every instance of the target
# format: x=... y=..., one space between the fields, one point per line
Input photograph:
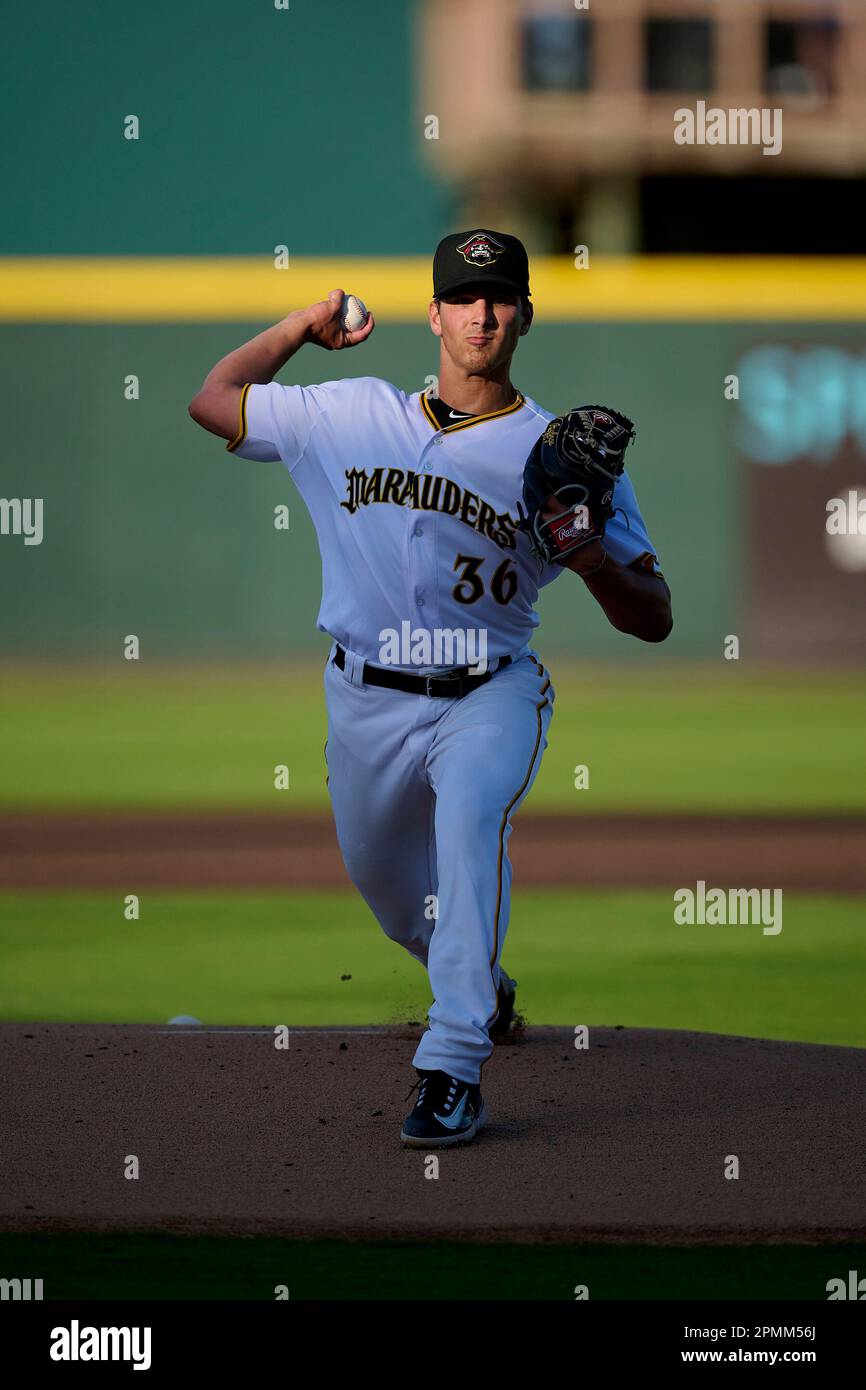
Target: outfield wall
x=745 y=430
x=150 y=527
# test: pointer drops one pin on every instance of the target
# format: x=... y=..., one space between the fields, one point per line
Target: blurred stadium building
x=556 y=118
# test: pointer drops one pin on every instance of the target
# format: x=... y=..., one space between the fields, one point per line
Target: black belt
x=452 y=686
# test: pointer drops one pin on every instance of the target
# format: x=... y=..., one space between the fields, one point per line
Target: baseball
x=353 y=313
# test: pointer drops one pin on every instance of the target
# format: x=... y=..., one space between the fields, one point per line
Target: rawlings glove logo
x=572 y=524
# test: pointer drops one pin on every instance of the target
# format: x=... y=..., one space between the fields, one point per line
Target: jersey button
x=418 y=531
x=440 y=439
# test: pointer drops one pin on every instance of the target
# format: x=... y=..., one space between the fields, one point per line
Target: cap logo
x=480 y=249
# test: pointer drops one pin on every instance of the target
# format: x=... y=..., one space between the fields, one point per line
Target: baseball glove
x=569 y=478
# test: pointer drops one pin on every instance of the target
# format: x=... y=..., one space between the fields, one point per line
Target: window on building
x=801 y=57
x=557 y=53
x=679 y=55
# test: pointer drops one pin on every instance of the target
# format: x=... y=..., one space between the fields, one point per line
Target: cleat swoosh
x=452 y=1121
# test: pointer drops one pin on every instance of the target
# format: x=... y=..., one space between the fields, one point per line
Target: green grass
x=599 y=958
x=143 y=1266
x=710 y=739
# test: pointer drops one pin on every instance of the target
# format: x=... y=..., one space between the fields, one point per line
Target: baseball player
x=439 y=518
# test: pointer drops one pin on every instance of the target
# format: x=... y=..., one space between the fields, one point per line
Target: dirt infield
x=627 y=1140
x=104 y=850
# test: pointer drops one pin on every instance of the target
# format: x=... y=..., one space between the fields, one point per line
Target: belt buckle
x=453 y=681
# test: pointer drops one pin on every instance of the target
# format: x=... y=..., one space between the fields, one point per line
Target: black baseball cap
x=470 y=258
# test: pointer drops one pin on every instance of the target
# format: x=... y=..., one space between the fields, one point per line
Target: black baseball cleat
x=505 y=995
x=447 y=1111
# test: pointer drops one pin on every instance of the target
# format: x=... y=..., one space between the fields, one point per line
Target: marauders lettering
x=429 y=493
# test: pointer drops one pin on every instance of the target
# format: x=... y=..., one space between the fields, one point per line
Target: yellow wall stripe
x=223 y=289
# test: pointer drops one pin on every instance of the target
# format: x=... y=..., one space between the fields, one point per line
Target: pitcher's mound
x=645 y=1135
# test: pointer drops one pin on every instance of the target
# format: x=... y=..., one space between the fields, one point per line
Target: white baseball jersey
x=417 y=525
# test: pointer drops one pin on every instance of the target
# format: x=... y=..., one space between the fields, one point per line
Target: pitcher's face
x=480 y=325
